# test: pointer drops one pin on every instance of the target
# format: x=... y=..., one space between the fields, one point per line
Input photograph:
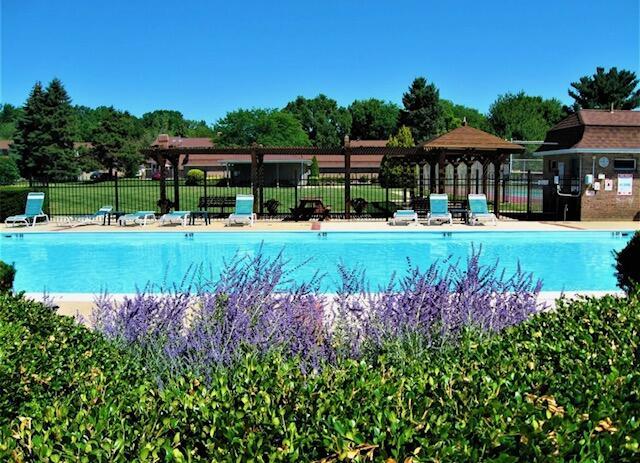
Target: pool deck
x=73 y=304
x=335 y=225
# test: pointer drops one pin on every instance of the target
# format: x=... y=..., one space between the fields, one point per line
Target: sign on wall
x=625 y=184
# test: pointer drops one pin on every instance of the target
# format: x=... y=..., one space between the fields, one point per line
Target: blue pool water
x=120 y=262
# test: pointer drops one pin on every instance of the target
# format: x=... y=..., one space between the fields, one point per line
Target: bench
x=217 y=202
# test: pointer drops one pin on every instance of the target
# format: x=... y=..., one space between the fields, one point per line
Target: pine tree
x=114 y=141
x=30 y=141
x=603 y=90
x=44 y=140
x=422 y=110
x=58 y=125
x=314 y=172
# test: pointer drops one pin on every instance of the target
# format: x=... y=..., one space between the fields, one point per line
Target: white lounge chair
x=179 y=217
x=479 y=211
x=32 y=211
x=94 y=219
x=243 y=214
x=405 y=216
x=439 y=209
x=137 y=218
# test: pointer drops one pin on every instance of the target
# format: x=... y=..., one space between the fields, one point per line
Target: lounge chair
x=138 y=218
x=32 y=211
x=244 y=211
x=439 y=209
x=405 y=216
x=479 y=211
x=94 y=219
x=180 y=217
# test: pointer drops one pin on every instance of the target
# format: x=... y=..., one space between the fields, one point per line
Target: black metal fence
x=520 y=195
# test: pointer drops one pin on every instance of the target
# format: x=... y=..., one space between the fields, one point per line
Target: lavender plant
x=253 y=307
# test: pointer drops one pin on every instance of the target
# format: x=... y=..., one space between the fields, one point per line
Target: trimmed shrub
x=562 y=386
x=194 y=177
x=628 y=265
x=9 y=173
x=14 y=198
x=7 y=275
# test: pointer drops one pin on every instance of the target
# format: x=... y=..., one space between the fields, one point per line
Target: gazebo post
x=421 y=179
x=432 y=176
x=161 y=160
x=442 y=166
x=468 y=164
x=496 y=186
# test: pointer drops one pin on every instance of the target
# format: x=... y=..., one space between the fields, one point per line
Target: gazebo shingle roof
x=469 y=138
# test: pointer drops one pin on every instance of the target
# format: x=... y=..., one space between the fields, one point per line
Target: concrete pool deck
x=72 y=303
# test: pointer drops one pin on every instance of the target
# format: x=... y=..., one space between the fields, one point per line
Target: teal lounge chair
x=179 y=217
x=243 y=214
x=93 y=219
x=405 y=216
x=137 y=218
x=439 y=209
x=479 y=211
x=32 y=211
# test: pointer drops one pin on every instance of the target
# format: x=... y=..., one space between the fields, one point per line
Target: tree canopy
x=422 y=111
x=524 y=117
x=373 y=119
x=452 y=116
x=115 y=141
x=9 y=116
x=322 y=119
x=267 y=127
x=604 y=89
x=393 y=173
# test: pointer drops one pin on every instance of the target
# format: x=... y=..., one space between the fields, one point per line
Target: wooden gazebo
x=464 y=145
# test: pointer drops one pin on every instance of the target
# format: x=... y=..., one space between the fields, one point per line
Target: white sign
x=625 y=184
x=608 y=184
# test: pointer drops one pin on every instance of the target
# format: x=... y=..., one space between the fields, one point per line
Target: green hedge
x=561 y=387
x=14 y=198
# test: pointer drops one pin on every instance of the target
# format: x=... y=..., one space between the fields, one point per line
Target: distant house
x=592 y=158
x=279 y=170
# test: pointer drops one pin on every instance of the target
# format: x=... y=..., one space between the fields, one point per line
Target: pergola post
x=161 y=161
x=347 y=181
x=254 y=179
x=175 y=160
x=496 y=186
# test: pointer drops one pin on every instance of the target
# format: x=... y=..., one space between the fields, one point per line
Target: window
x=624 y=164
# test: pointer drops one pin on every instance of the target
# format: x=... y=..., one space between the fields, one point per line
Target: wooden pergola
x=462 y=145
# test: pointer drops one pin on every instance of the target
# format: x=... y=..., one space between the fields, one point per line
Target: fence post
x=254 y=180
x=477 y=181
x=204 y=183
x=347 y=181
x=117 y=195
x=528 y=194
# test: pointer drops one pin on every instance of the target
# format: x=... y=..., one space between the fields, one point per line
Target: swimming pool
x=120 y=262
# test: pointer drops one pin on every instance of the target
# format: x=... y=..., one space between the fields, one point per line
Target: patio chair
x=404 y=216
x=439 y=209
x=479 y=211
x=93 y=219
x=137 y=218
x=32 y=211
x=179 y=217
x=243 y=214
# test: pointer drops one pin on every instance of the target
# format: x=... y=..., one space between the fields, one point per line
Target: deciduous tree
x=373 y=119
x=322 y=119
x=394 y=173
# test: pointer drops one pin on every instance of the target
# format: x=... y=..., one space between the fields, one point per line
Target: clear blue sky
x=205 y=58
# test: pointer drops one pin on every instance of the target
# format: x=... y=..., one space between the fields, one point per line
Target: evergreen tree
x=58 y=127
x=44 y=140
x=422 y=110
x=393 y=172
x=314 y=172
x=604 y=89
x=30 y=140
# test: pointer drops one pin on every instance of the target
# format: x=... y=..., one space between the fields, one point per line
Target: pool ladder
x=618 y=234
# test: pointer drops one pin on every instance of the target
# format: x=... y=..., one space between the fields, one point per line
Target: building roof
x=168 y=141
x=469 y=138
x=589 y=130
